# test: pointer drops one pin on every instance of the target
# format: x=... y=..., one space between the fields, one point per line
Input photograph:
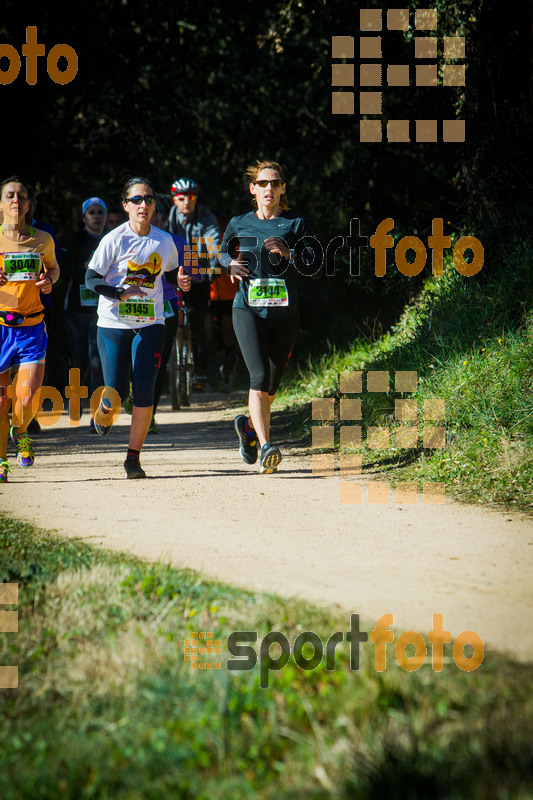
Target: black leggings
x=140 y=347
x=266 y=344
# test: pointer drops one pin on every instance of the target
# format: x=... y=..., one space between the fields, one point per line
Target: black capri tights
x=140 y=347
x=266 y=344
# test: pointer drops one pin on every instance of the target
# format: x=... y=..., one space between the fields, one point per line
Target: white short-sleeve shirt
x=124 y=258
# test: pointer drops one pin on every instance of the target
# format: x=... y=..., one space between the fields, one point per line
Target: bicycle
x=181 y=363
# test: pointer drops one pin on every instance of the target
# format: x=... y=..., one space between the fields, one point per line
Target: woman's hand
x=237 y=269
x=132 y=291
x=3 y=277
x=44 y=284
x=276 y=245
x=184 y=280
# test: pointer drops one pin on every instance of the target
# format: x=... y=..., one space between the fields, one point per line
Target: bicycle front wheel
x=186 y=367
x=174 y=378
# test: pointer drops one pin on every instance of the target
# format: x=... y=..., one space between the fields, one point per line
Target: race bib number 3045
x=136 y=311
x=267 y=292
x=22 y=266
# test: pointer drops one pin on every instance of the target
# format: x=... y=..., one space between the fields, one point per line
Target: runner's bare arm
x=48 y=276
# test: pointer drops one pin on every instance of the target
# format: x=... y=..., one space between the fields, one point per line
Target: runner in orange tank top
x=28 y=266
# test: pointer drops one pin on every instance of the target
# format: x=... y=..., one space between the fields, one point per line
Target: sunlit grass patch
x=470 y=342
x=107 y=707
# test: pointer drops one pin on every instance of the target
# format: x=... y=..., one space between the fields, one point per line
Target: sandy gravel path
x=286 y=533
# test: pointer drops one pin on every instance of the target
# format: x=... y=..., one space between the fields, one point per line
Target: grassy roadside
x=470 y=340
x=107 y=708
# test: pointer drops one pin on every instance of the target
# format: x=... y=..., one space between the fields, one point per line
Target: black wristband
x=119 y=291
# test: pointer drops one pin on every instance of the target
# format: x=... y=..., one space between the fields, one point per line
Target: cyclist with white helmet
x=195 y=222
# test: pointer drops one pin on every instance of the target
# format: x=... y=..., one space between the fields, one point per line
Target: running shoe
x=225 y=384
x=247 y=443
x=5 y=467
x=270 y=458
x=22 y=442
x=154 y=427
x=102 y=430
x=200 y=383
x=133 y=468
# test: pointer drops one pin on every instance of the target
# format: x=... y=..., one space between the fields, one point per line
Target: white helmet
x=184 y=185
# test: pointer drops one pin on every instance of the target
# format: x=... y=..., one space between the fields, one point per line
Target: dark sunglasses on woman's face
x=138 y=198
x=275 y=183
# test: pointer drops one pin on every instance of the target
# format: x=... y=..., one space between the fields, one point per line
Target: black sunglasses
x=275 y=183
x=138 y=198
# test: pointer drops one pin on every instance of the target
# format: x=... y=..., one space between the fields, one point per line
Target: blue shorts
x=26 y=345
x=136 y=350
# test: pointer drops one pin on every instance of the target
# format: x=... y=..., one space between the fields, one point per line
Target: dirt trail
x=286 y=533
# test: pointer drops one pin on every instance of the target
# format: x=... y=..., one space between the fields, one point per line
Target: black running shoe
x=270 y=458
x=247 y=445
x=133 y=468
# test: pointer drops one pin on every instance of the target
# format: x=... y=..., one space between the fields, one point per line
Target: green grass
x=470 y=340
x=107 y=708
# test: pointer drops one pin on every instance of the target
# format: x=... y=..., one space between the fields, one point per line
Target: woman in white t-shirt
x=126 y=270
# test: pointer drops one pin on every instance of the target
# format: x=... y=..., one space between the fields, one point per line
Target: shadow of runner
x=185 y=434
